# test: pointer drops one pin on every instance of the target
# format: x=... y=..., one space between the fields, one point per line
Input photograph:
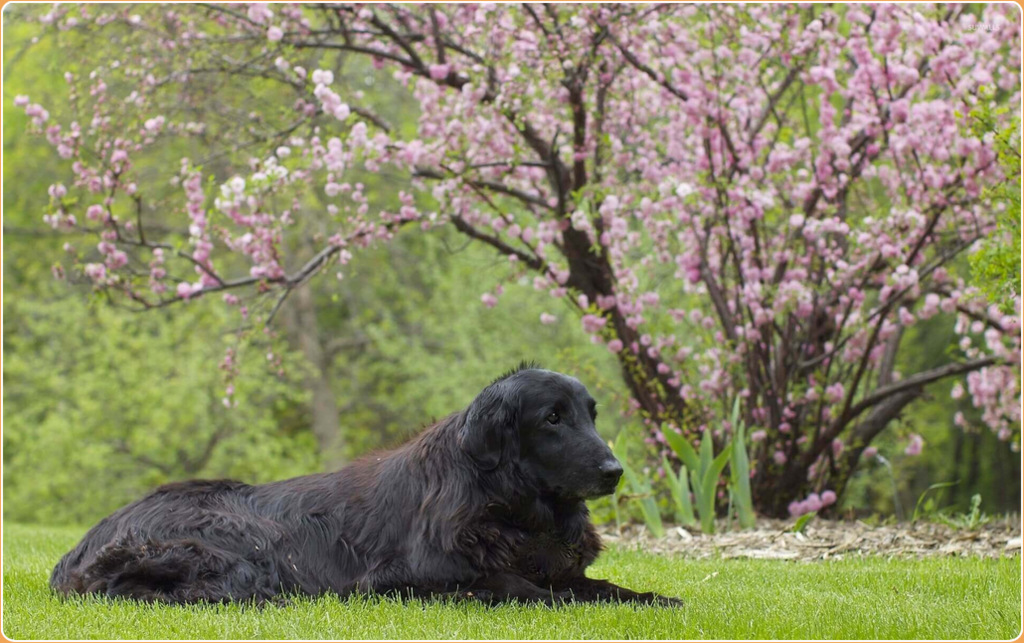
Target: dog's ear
x=490 y=432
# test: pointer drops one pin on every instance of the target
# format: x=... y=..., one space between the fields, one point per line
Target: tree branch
x=917 y=381
x=465 y=228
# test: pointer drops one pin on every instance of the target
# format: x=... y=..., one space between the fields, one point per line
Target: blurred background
x=100 y=404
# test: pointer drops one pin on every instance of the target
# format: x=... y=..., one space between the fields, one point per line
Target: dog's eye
x=553 y=418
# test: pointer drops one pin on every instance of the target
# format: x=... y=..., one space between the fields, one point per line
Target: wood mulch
x=825 y=539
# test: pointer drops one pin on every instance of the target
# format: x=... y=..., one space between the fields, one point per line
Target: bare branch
x=917 y=381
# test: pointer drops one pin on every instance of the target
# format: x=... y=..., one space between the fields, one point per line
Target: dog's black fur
x=486 y=504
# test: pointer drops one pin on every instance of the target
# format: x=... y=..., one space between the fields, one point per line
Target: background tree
x=84 y=376
x=751 y=201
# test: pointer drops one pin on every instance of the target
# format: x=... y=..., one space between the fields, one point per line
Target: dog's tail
x=179 y=571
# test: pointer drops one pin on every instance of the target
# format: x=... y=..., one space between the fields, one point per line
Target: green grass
x=862 y=598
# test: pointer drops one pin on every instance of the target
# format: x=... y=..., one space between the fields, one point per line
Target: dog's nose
x=611 y=470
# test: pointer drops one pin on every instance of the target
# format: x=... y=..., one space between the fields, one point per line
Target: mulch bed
x=825 y=539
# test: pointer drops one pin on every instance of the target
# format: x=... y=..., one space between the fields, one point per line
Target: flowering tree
x=748 y=202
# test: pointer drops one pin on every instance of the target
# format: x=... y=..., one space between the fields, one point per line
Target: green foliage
x=637 y=489
x=704 y=471
x=920 y=499
x=970 y=520
x=739 y=470
x=801 y=523
x=643 y=494
x=976 y=457
x=100 y=406
x=679 y=488
x=851 y=599
x=996 y=264
x=699 y=472
x=410 y=332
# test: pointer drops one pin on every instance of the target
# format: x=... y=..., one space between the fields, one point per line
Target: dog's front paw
x=665 y=601
x=559 y=598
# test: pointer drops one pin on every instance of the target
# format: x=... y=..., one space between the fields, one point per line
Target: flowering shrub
x=740 y=201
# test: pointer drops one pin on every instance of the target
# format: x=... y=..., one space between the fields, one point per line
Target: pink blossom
x=95 y=271
x=259 y=13
x=439 y=72
x=813 y=503
x=915 y=446
x=780 y=285
x=828 y=497
x=323 y=76
x=154 y=124
x=593 y=323
x=186 y=290
x=547 y=318
x=489 y=300
x=837 y=447
x=95 y=212
x=869 y=453
x=684 y=190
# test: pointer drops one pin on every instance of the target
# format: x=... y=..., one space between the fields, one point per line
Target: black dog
x=486 y=504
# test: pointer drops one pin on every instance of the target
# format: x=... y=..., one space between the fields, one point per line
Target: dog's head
x=543 y=423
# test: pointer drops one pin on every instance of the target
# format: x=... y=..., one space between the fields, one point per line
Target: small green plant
x=801 y=523
x=739 y=472
x=633 y=487
x=971 y=520
x=977 y=517
x=643 y=495
x=699 y=474
x=679 y=488
x=929 y=506
x=704 y=471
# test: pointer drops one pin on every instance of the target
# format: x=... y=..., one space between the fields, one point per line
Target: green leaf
x=707 y=452
x=705 y=507
x=735 y=417
x=801 y=522
x=652 y=517
x=937 y=485
x=634 y=480
x=679 y=487
x=718 y=464
x=683 y=449
x=673 y=477
x=709 y=485
x=740 y=475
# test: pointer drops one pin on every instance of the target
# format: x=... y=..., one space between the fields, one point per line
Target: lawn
x=857 y=598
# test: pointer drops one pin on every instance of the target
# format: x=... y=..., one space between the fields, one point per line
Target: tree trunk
x=300 y=319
